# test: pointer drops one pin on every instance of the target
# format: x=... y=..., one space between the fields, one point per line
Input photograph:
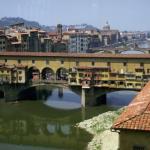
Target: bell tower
x=59 y=31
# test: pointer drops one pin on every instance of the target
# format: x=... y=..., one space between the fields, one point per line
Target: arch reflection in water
x=51 y=128
x=120 y=98
x=64 y=129
x=63 y=99
x=41 y=132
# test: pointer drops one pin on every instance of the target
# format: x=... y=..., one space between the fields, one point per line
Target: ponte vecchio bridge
x=111 y=71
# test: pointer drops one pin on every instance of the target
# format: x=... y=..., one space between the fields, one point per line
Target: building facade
x=3 y=42
x=78 y=42
x=10 y=74
x=100 y=70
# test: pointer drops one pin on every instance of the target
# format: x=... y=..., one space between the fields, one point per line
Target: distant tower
x=59 y=31
x=107 y=26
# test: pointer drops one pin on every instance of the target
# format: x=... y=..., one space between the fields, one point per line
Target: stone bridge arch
x=47 y=74
x=33 y=73
x=62 y=74
x=98 y=95
x=101 y=97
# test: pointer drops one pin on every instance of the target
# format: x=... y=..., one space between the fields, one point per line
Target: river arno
x=30 y=125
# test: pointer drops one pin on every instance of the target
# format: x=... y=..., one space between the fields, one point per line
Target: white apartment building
x=78 y=42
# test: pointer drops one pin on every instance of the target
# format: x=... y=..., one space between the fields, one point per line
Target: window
x=124 y=64
x=112 y=75
x=148 y=70
x=77 y=63
x=141 y=64
x=121 y=76
x=20 y=78
x=20 y=72
x=108 y=64
x=62 y=62
x=19 y=61
x=93 y=63
x=80 y=74
x=139 y=70
x=138 y=148
x=33 y=61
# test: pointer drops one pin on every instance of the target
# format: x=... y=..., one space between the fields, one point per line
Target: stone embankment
x=100 y=126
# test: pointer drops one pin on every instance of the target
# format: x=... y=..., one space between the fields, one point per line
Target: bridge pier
x=83 y=97
x=92 y=96
x=60 y=92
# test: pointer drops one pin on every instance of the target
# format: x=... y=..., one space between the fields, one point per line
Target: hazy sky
x=121 y=14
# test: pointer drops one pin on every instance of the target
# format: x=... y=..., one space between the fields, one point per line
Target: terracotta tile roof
x=74 y=55
x=67 y=33
x=137 y=115
x=52 y=34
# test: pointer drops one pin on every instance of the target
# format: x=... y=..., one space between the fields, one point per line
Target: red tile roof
x=137 y=115
x=52 y=34
x=74 y=55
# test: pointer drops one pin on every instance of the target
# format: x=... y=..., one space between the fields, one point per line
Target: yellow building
x=5 y=74
x=12 y=74
x=18 y=74
x=104 y=70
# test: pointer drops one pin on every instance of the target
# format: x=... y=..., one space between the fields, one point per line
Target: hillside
x=7 y=21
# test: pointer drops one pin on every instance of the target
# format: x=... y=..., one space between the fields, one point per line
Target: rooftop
x=137 y=115
x=74 y=55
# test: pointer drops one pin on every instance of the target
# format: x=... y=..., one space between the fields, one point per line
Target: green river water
x=35 y=125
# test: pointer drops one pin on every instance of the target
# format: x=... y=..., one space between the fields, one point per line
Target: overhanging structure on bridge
x=100 y=70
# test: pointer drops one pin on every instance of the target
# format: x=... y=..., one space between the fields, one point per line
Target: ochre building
x=101 y=70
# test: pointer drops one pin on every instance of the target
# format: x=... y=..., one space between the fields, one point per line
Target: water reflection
x=120 y=98
x=63 y=129
x=63 y=99
x=20 y=125
x=34 y=123
x=23 y=147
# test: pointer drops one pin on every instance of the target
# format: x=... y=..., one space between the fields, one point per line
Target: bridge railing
x=62 y=82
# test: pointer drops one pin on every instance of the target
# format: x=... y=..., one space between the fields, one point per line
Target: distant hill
x=7 y=21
